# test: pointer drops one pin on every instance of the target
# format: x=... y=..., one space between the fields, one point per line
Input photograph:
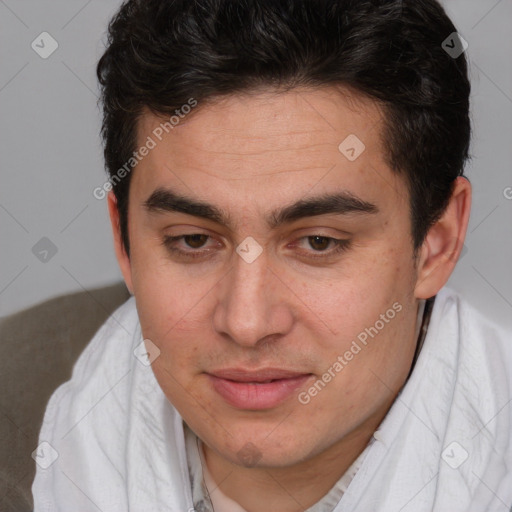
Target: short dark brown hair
x=161 y=53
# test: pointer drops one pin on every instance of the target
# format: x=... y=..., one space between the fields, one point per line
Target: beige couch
x=38 y=347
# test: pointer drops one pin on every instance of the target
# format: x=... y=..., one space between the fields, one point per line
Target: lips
x=256 y=389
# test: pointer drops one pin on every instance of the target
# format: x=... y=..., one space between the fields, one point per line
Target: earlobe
x=444 y=242
x=122 y=258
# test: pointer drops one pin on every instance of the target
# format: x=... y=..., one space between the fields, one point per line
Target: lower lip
x=245 y=395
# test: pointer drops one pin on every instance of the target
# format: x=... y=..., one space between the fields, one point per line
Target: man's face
x=245 y=335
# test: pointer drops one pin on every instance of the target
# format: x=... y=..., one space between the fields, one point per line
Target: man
x=287 y=202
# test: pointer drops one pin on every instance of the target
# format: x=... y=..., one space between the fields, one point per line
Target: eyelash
x=341 y=245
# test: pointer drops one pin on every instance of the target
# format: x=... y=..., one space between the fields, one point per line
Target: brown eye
x=321 y=247
x=193 y=245
x=319 y=243
x=195 y=241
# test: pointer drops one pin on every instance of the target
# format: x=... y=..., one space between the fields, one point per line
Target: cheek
x=166 y=295
x=345 y=301
x=371 y=317
x=365 y=369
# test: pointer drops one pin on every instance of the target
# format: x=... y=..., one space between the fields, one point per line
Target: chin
x=264 y=448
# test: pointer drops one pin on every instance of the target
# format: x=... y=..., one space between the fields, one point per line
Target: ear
x=444 y=242
x=122 y=258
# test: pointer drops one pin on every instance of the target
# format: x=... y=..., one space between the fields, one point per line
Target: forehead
x=268 y=146
x=270 y=120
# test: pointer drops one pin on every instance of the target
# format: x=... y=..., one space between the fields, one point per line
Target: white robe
x=444 y=446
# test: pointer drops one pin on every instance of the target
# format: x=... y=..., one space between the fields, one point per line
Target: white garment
x=121 y=444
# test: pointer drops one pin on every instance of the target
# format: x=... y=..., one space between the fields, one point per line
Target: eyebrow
x=164 y=200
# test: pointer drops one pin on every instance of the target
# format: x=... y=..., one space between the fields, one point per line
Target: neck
x=294 y=488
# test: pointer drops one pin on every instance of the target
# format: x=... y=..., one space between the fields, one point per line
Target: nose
x=252 y=304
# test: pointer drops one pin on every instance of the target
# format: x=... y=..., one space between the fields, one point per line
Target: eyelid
x=340 y=245
x=169 y=239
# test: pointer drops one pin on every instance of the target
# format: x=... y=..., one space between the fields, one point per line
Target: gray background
x=51 y=157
